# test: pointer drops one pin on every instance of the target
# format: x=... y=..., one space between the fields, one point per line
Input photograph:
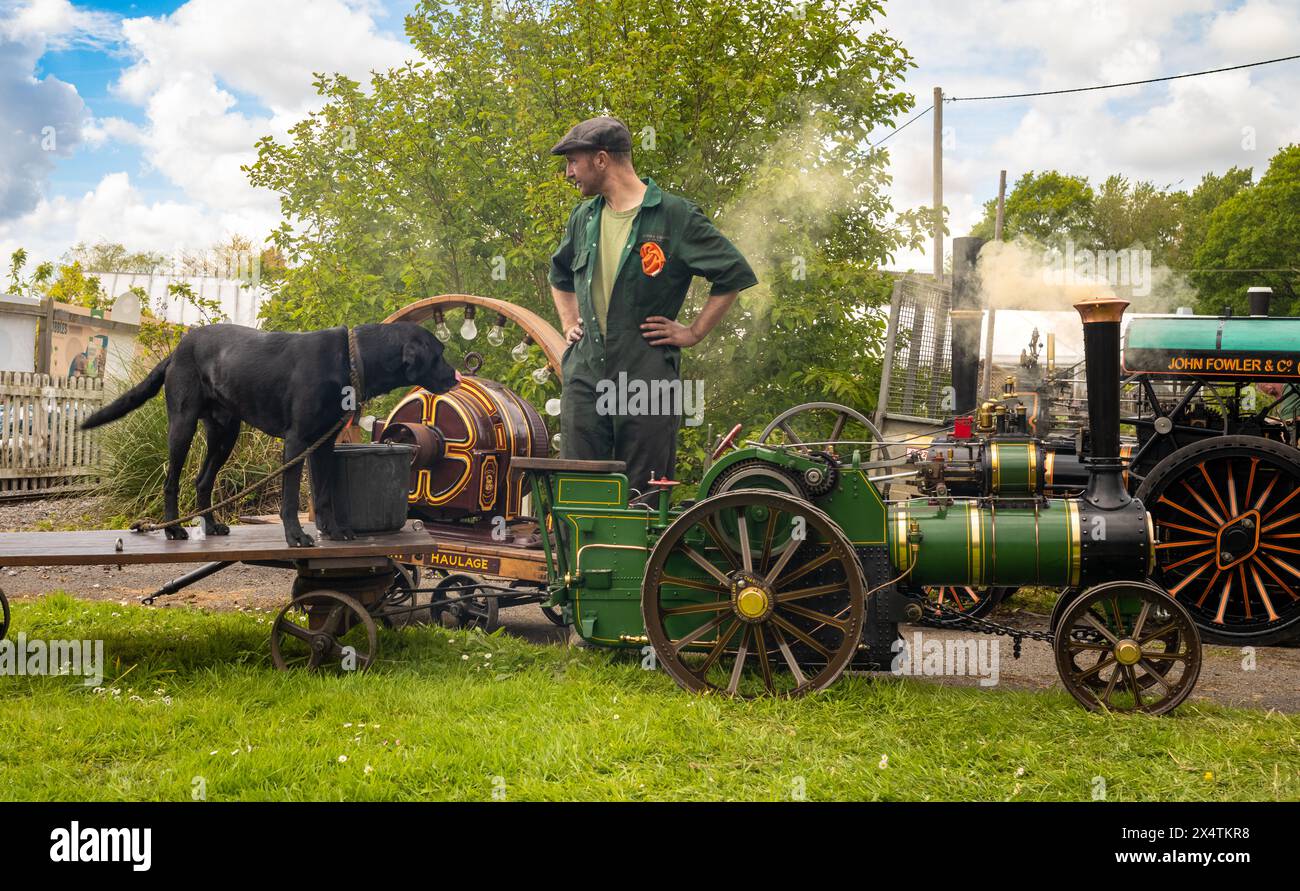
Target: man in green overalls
x=619 y=278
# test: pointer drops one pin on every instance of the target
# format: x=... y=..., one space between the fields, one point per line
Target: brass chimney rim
x=1101 y=309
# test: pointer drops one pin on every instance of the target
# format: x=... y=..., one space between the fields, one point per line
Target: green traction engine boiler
x=789 y=567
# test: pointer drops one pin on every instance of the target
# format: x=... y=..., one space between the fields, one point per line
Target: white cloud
x=57 y=24
x=212 y=78
x=192 y=68
x=41 y=119
x=116 y=211
x=1256 y=29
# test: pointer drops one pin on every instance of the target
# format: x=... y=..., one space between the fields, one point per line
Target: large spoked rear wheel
x=776 y=609
x=1226 y=513
x=1127 y=647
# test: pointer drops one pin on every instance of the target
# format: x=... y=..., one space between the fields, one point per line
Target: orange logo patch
x=652 y=258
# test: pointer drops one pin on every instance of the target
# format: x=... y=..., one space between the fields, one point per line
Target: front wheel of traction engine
x=1127 y=647
x=753 y=593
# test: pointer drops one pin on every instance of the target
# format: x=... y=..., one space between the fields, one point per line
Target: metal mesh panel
x=921 y=364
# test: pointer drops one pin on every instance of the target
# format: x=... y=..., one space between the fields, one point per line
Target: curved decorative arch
x=541 y=331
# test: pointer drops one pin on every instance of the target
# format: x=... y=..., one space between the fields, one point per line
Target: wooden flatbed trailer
x=341 y=587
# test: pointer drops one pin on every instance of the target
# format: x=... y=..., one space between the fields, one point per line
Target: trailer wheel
x=1226 y=513
x=747 y=617
x=463 y=604
x=321 y=629
x=1127 y=647
x=396 y=608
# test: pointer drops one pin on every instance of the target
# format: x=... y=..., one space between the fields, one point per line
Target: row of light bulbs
x=496 y=336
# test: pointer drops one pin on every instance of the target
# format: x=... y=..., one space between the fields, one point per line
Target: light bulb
x=468 y=329
x=497 y=333
x=555 y=442
x=553 y=407
x=440 y=329
x=542 y=375
x=520 y=352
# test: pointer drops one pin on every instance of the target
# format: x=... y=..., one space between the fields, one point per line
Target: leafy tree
x=438 y=178
x=1049 y=207
x=1197 y=206
x=1257 y=228
x=106 y=256
x=1126 y=215
x=28 y=285
x=74 y=286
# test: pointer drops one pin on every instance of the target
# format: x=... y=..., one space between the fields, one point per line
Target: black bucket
x=373 y=480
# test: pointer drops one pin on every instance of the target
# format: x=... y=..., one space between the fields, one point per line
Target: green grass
x=191 y=694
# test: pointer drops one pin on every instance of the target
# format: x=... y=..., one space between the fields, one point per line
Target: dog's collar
x=356 y=372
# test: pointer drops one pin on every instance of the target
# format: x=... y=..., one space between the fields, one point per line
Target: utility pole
x=988 y=338
x=938 y=185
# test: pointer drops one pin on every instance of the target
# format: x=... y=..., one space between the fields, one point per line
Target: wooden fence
x=41 y=449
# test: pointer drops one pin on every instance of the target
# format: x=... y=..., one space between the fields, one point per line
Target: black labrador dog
x=290 y=385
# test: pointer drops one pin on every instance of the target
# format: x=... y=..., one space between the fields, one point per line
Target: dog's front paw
x=176 y=533
x=299 y=539
x=344 y=533
x=215 y=528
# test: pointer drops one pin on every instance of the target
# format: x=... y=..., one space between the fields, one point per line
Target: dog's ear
x=416 y=359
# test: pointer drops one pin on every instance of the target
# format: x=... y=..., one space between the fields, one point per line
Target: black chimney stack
x=1259 y=299
x=1101 y=329
x=967 y=314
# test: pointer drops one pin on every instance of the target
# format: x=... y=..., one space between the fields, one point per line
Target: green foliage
x=107 y=256
x=1256 y=227
x=1126 y=215
x=74 y=286
x=1199 y=205
x=1048 y=207
x=28 y=285
x=438 y=179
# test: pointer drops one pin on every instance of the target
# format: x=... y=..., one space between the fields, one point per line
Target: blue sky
x=156 y=104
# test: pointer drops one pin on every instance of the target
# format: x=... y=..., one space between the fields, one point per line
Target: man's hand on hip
x=663 y=331
x=574 y=333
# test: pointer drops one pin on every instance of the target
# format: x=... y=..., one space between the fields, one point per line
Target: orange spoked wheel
x=965 y=599
x=1226 y=516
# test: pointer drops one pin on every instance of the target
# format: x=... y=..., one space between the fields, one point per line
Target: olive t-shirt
x=615 y=225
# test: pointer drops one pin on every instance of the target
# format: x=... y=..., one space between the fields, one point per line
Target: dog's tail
x=131 y=399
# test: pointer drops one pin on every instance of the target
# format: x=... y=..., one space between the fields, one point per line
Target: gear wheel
x=818 y=481
x=756 y=469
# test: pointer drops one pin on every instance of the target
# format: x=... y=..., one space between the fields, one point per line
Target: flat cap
x=595 y=134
